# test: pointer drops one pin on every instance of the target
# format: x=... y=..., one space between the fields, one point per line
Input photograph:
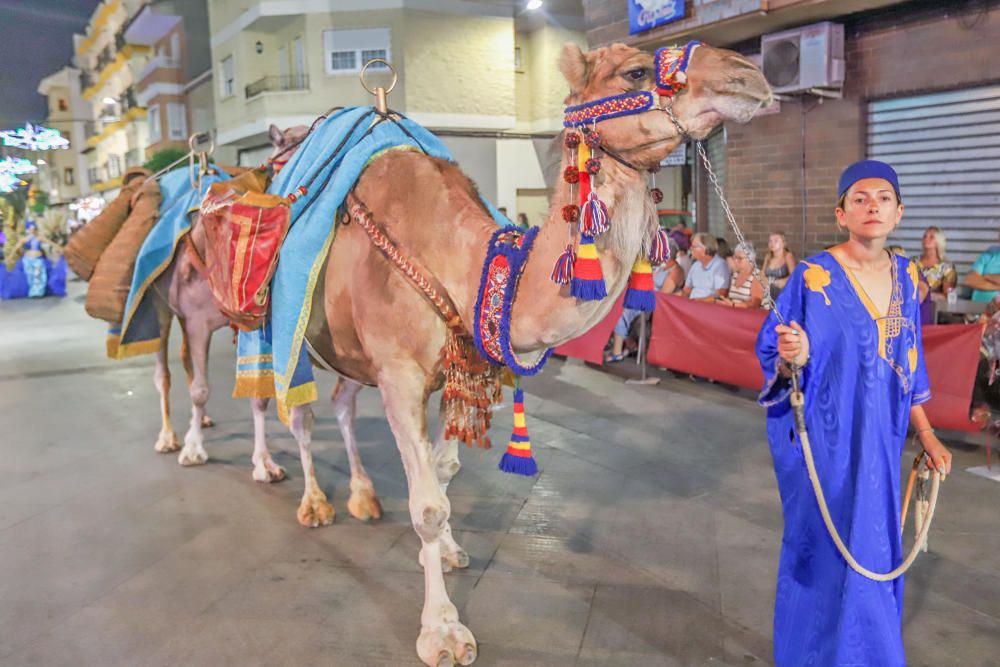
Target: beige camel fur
x=371 y=325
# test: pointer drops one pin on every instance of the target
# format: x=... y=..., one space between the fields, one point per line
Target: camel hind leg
x=264 y=467
x=166 y=441
x=363 y=503
x=206 y=421
x=314 y=510
x=198 y=337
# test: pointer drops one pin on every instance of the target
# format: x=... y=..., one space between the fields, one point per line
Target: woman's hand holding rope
x=793 y=344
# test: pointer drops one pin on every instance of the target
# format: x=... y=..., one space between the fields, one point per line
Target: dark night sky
x=36 y=39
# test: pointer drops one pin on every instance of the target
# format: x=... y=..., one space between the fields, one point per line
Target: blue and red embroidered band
x=505 y=259
x=671 y=67
x=605 y=108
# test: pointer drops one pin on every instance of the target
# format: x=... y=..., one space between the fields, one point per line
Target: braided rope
x=361 y=215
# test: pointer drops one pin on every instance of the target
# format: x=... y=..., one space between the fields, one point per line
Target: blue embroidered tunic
x=865 y=371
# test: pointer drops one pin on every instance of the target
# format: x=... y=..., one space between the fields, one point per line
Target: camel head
x=285 y=143
x=720 y=85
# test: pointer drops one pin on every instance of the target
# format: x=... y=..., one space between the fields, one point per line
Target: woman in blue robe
x=853 y=316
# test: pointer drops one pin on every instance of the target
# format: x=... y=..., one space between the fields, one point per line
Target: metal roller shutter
x=946 y=149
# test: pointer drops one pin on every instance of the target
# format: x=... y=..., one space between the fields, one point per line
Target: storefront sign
x=647 y=14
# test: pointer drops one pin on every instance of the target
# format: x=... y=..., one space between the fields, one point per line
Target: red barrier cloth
x=718 y=342
x=707 y=340
x=951 y=353
x=590 y=346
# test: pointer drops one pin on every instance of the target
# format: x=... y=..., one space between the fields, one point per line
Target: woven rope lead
x=798 y=402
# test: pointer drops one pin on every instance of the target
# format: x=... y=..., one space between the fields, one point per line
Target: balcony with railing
x=270 y=84
x=159 y=61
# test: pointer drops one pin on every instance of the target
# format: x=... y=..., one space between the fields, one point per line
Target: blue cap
x=30 y=224
x=867 y=169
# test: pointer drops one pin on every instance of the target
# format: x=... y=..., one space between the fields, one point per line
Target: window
x=63 y=105
x=94 y=174
x=153 y=118
x=227 y=82
x=346 y=51
x=176 y=120
x=68 y=176
x=343 y=61
x=114 y=166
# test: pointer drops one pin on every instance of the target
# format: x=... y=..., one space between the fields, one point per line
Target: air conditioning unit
x=808 y=58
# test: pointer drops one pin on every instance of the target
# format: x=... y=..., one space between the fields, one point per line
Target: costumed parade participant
x=853 y=328
x=35 y=268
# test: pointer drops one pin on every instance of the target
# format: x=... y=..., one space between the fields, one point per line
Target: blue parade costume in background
x=34 y=275
x=35 y=268
x=864 y=373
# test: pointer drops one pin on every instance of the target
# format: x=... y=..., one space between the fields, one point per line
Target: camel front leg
x=363 y=504
x=447 y=465
x=314 y=510
x=198 y=339
x=167 y=441
x=443 y=639
x=264 y=467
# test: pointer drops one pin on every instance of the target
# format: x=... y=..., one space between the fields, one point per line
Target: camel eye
x=637 y=74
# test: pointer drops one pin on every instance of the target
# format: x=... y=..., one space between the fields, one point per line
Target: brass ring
x=197 y=138
x=384 y=62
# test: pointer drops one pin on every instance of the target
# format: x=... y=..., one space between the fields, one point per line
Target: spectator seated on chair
x=708 y=278
x=668 y=277
x=984 y=278
x=745 y=291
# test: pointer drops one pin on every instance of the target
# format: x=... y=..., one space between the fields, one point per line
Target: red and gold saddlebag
x=244 y=231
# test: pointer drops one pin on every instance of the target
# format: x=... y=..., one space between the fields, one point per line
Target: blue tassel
x=518 y=465
x=659 y=250
x=594 y=220
x=588 y=290
x=562 y=273
x=640 y=299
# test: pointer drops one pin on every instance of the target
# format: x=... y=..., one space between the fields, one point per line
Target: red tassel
x=562 y=273
x=595 y=216
x=571 y=213
x=659 y=249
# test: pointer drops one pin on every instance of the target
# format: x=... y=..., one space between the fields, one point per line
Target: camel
x=373 y=328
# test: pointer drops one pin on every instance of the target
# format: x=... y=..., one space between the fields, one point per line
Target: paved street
x=650 y=537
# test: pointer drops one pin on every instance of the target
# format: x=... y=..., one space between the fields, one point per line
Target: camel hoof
x=315 y=511
x=192 y=455
x=447 y=645
x=166 y=443
x=268 y=474
x=457 y=559
x=207 y=422
x=364 y=506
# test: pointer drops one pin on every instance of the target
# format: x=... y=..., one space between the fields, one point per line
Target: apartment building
x=483 y=75
x=144 y=71
x=175 y=84
x=64 y=172
x=116 y=134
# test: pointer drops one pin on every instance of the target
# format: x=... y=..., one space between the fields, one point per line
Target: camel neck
x=544 y=313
